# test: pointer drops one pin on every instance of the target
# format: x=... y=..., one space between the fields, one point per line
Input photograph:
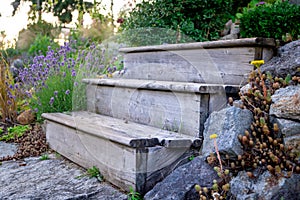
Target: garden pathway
x=54 y=178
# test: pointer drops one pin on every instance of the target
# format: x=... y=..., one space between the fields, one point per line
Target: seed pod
x=205 y=190
x=226 y=187
x=275 y=142
x=243 y=163
x=226 y=172
x=247 y=134
x=244 y=140
x=277 y=169
x=281 y=147
x=275 y=127
x=254 y=133
x=271 y=169
x=239 y=157
x=197 y=188
x=232 y=165
x=266 y=130
x=264 y=145
x=255 y=165
x=240 y=138
x=270 y=139
x=250 y=174
x=251 y=143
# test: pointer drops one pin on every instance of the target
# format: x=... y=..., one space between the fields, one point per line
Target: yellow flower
x=257 y=63
x=213 y=136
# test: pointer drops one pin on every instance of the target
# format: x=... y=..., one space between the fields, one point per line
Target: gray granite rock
x=51 y=179
x=180 y=184
x=288 y=128
x=7 y=149
x=266 y=187
x=227 y=124
x=287 y=61
x=286 y=103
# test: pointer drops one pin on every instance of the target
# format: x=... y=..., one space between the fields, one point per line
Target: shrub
x=271 y=21
x=200 y=20
x=41 y=44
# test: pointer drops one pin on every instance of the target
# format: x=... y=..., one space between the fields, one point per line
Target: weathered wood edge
x=186 y=87
x=244 y=42
x=70 y=121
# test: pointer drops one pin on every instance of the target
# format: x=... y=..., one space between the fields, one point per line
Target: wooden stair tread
x=121 y=131
x=164 y=85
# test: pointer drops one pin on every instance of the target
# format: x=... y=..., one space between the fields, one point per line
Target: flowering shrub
x=52 y=83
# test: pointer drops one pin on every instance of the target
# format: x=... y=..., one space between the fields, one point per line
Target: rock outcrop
x=286 y=62
x=180 y=184
x=266 y=187
x=227 y=124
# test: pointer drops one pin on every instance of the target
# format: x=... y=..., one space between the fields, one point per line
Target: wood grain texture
x=228 y=66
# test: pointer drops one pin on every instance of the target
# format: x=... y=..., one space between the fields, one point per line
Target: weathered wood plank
x=125 y=133
x=158 y=85
x=211 y=44
x=174 y=111
x=211 y=66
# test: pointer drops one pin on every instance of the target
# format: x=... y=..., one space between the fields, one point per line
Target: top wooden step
x=217 y=62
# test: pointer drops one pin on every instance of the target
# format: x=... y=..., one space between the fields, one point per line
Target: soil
x=32 y=143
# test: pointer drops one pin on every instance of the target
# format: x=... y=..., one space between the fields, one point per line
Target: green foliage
x=57 y=96
x=133 y=195
x=1 y=130
x=271 y=21
x=41 y=45
x=44 y=157
x=15 y=132
x=94 y=172
x=200 y=20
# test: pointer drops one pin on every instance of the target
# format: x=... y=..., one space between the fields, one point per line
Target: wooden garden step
x=176 y=106
x=124 y=132
x=127 y=154
x=215 y=62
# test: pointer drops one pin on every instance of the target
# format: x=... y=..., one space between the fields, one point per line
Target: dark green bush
x=200 y=20
x=41 y=44
x=271 y=21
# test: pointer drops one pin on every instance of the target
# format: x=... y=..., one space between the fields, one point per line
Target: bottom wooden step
x=127 y=154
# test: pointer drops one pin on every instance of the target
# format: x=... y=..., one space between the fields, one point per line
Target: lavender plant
x=52 y=83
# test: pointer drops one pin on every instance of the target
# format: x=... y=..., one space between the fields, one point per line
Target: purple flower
x=75 y=84
x=73 y=72
x=55 y=93
x=51 y=100
x=260 y=3
x=67 y=92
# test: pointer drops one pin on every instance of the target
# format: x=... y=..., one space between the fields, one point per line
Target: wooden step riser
x=123 y=166
x=228 y=66
x=175 y=111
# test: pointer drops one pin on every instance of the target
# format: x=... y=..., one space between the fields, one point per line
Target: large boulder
x=286 y=103
x=227 y=123
x=265 y=187
x=179 y=185
x=286 y=62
